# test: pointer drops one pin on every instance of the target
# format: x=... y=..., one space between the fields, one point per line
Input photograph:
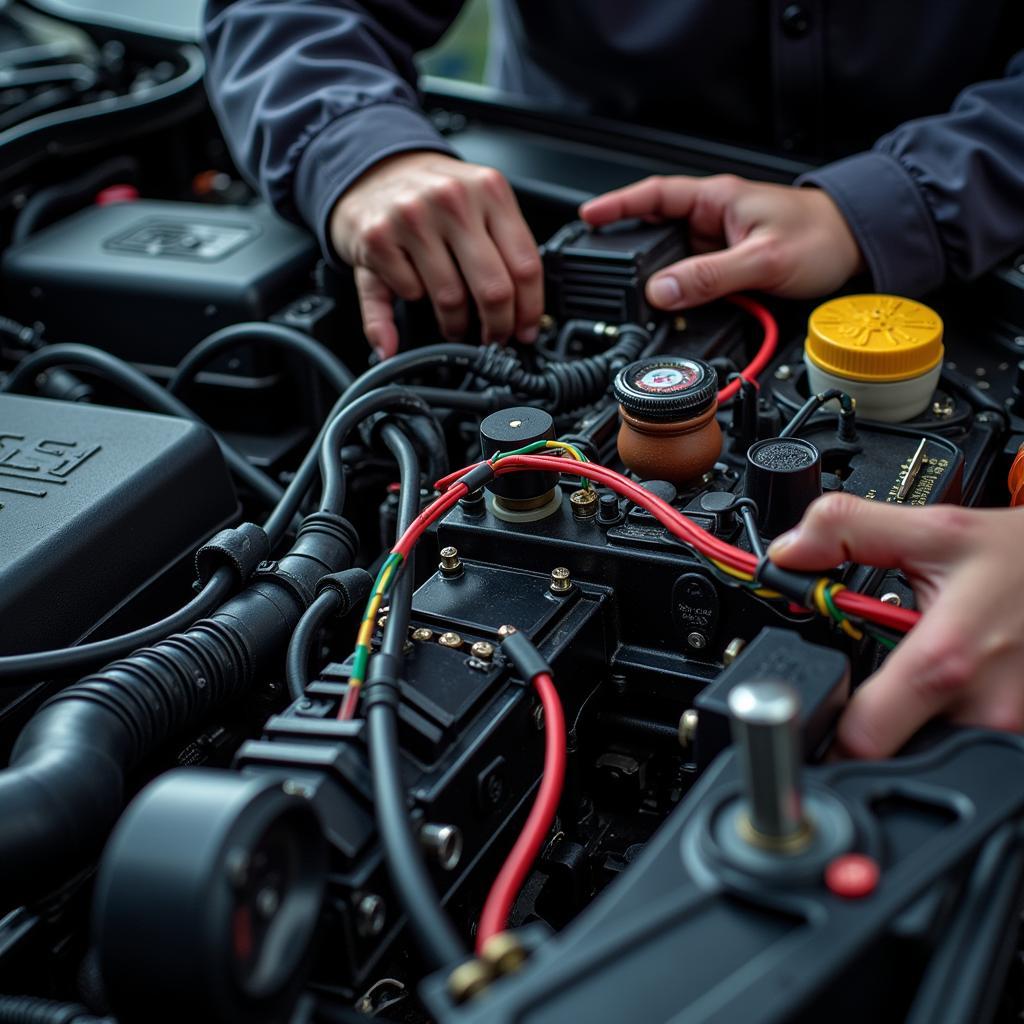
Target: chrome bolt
x=891 y=598
x=370 y=915
x=698 y=641
x=443 y=843
x=422 y=634
x=504 y=631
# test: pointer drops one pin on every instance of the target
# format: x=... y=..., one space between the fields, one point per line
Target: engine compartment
x=228 y=798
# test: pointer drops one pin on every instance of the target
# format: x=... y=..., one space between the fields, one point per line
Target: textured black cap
x=666 y=388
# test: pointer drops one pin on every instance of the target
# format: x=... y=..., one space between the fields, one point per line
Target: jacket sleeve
x=311 y=93
x=939 y=197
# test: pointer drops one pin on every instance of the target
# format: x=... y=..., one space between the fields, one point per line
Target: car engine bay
x=458 y=687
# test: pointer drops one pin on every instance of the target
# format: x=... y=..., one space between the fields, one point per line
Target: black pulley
x=207 y=899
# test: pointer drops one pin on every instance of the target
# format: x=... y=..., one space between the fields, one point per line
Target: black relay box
x=182 y=269
x=96 y=503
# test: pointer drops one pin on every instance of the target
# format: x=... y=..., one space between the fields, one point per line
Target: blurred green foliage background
x=462 y=53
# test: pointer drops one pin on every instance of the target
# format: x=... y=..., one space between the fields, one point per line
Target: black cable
x=144 y=391
x=847 y=414
x=279 y=336
x=30 y=1010
x=48 y=204
x=300 y=648
x=18 y=668
x=332 y=472
x=436 y=937
x=748 y=511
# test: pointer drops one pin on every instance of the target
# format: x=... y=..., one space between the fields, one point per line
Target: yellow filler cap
x=874 y=338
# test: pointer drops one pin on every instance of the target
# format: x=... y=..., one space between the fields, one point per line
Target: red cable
x=517 y=865
x=764 y=355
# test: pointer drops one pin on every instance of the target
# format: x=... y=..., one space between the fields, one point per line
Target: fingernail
x=528 y=335
x=783 y=541
x=380 y=352
x=665 y=291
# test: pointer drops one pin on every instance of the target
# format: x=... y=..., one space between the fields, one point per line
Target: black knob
x=783 y=478
x=666 y=389
x=507 y=430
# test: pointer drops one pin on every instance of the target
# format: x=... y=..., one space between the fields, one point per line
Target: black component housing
x=182 y=269
x=600 y=273
x=514 y=428
x=95 y=503
x=667 y=389
x=783 y=477
x=820 y=675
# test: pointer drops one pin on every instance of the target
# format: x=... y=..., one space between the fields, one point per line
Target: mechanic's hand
x=425 y=223
x=786 y=241
x=965 y=659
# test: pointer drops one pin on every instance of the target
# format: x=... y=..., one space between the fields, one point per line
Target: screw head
x=560 y=581
x=891 y=598
x=584 y=503
x=784 y=372
x=687 y=727
x=450 y=639
x=698 y=641
x=422 y=634
x=370 y=915
x=482 y=649
x=504 y=631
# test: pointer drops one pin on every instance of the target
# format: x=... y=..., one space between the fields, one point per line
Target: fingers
x=841 y=528
x=489 y=282
x=656 y=197
x=519 y=252
x=752 y=263
x=376 y=307
x=443 y=284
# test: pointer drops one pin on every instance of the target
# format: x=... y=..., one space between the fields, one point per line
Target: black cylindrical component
x=64 y=787
x=783 y=478
x=207 y=899
x=508 y=430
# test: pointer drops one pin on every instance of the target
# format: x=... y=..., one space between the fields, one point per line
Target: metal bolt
x=451 y=564
x=891 y=598
x=698 y=641
x=370 y=915
x=560 y=581
x=482 y=649
x=267 y=902
x=546 y=322
x=584 y=503
x=732 y=650
x=943 y=407
x=450 y=639
x=293 y=788
x=504 y=631
x=422 y=634
x=784 y=372
x=469 y=980
x=687 y=727
x=504 y=952
x=443 y=843
x=382 y=621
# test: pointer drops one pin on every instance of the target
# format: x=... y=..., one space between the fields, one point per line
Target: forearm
x=940 y=196
x=310 y=93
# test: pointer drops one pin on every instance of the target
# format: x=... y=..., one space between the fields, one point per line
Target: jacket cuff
x=889 y=218
x=347 y=147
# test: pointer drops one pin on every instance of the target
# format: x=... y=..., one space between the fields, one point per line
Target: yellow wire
x=574 y=452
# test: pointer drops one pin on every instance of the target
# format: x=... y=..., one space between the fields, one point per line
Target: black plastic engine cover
x=94 y=504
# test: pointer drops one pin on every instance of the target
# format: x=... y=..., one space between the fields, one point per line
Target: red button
x=117 y=194
x=852 y=876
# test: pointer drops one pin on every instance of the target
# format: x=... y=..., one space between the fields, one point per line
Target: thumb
x=842 y=528
x=699 y=279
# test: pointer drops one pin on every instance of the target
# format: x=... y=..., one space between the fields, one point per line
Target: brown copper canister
x=669 y=430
